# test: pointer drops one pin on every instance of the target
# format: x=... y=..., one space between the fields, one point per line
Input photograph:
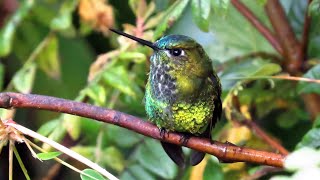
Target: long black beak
x=141 y=41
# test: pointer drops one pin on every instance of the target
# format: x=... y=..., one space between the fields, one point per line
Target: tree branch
x=289 y=43
x=223 y=151
x=258 y=25
x=305 y=33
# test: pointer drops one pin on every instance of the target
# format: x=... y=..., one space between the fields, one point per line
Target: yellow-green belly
x=181 y=117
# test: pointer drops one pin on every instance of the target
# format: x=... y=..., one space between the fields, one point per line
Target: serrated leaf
x=94 y=175
x=200 y=13
x=48 y=155
x=7 y=32
x=171 y=15
x=152 y=157
x=309 y=87
x=48 y=60
x=73 y=125
x=24 y=78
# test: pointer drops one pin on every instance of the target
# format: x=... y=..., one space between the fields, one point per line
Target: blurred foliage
x=64 y=49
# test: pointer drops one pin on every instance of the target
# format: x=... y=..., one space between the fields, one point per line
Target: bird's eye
x=176 y=52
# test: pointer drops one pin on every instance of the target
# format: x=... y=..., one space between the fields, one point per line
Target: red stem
x=258 y=25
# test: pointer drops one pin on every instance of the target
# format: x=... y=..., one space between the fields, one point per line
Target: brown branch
x=295 y=52
x=254 y=127
x=263 y=135
x=223 y=151
x=289 y=43
x=305 y=33
x=258 y=25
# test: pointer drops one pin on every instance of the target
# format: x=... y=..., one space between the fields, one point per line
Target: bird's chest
x=163 y=85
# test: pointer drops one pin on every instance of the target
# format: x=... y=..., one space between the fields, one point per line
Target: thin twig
x=63 y=149
x=224 y=151
x=263 y=135
x=258 y=25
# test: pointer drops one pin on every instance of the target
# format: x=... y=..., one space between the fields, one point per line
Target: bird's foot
x=230 y=143
x=184 y=139
x=162 y=132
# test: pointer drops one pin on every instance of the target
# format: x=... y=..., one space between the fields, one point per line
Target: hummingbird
x=183 y=92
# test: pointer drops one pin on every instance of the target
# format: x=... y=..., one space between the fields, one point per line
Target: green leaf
x=137 y=172
x=219 y=5
x=312 y=137
x=23 y=79
x=172 y=14
x=8 y=31
x=252 y=68
x=97 y=93
x=309 y=87
x=73 y=125
x=86 y=151
x=48 y=60
x=64 y=19
x=152 y=157
x=110 y=157
x=94 y=175
x=131 y=138
x=113 y=158
x=235 y=35
x=56 y=135
x=314 y=8
x=213 y=170
x=48 y=127
x=138 y=57
x=2 y=71
x=200 y=13
x=118 y=78
x=48 y=155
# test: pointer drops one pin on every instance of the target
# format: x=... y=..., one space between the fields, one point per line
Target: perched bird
x=183 y=91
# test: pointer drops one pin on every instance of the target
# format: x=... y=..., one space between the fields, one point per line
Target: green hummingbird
x=182 y=92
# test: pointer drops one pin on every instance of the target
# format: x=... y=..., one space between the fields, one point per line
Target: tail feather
x=174 y=152
x=196 y=157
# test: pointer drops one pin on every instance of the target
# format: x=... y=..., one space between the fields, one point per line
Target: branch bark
x=291 y=46
x=223 y=151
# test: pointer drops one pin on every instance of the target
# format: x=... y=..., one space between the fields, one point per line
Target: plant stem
x=258 y=25
x=291 y=47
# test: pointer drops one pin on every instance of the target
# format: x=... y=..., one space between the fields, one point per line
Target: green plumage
x=183 y=92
